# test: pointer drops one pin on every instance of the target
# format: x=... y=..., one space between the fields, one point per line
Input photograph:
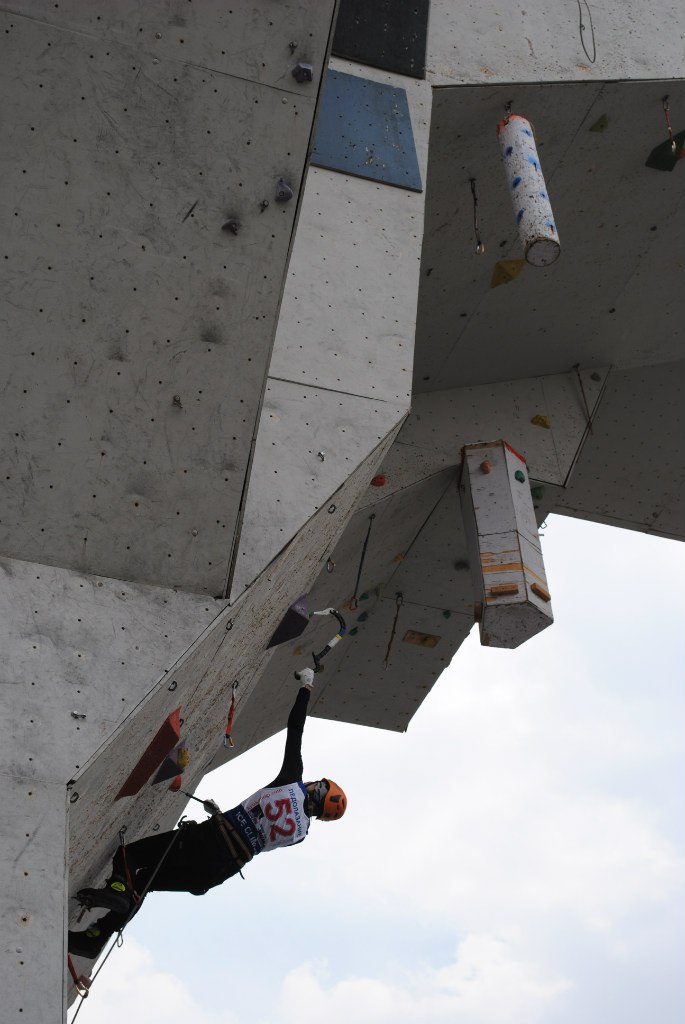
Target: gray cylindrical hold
x=532 y=208
x=284 y=192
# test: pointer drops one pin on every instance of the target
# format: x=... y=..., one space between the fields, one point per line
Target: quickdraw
x=228 y=741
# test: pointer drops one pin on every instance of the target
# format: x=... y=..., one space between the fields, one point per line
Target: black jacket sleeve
x=292 y=768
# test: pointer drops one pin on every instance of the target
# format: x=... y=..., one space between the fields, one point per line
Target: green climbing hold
x=363 y=617
x=447 y=614
x=595 y=376
x=537 y=493
x=518 y=475
x=353 y=631
x=364 y=597
x=600 y=125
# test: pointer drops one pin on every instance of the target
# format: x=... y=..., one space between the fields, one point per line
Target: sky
x=516 y=857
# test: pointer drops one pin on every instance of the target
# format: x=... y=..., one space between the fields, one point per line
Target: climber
x=196 y=857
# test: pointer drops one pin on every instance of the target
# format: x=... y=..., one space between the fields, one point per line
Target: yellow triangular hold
x=505 y=271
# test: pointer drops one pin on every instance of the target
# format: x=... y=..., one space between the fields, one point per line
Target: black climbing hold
x=293 y=623
x=665 y=156
x=303 y=73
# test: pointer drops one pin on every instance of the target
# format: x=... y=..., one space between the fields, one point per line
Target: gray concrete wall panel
x=80 y=653
x=290 y=480
x=435 y=570
x=137 y=332
x=486 y=41
x=362 y=690
x=444 y=421
x=349 y=308
x=250 y=41
x=613 y=297
x=351 y=250
x=626 y=477
x=33 y=844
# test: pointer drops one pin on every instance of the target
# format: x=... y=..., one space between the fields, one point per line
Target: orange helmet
x=334 y=802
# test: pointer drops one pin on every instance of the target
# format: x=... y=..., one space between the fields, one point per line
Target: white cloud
x=486 y=984
x=131 y=989
x=505 y=808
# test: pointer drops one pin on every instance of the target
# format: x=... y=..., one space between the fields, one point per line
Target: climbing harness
x=399 y=601
x=318 y=658
x=228 y=741
x=354 y=603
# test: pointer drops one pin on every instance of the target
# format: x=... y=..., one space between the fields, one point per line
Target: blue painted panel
x=365 y=129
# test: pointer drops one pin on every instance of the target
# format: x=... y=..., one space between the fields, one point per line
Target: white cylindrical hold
x=532 y=208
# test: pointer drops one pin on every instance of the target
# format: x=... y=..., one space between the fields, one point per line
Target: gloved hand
x=306 y=677
x=210 y=807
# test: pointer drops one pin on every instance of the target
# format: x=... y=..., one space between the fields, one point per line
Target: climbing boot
x=113 y=896
x=88 y=944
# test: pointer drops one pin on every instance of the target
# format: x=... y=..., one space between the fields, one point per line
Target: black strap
x=240 y=852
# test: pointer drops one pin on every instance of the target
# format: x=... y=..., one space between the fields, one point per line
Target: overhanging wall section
x=340 y=374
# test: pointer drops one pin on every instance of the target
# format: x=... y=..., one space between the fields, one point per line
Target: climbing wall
x=199 y=684
x=612 y=298
x=79 y=654
x=141 y=168
x=489 y=43
x=206 y=373
x=340 y=374
x=619 y=456
x=153 y=160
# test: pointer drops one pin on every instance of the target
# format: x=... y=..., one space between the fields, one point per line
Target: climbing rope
x=581 y=28
x=399 y=600
x=354 y=602
x=480 y=248
x=118 y=935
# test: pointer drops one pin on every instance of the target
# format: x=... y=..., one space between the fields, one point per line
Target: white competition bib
x=278 y=815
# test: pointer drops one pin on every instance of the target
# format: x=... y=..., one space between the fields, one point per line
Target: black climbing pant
x=196 y=860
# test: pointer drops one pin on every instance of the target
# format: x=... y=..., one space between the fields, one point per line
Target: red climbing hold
x=168 y=735
x=379 y=480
